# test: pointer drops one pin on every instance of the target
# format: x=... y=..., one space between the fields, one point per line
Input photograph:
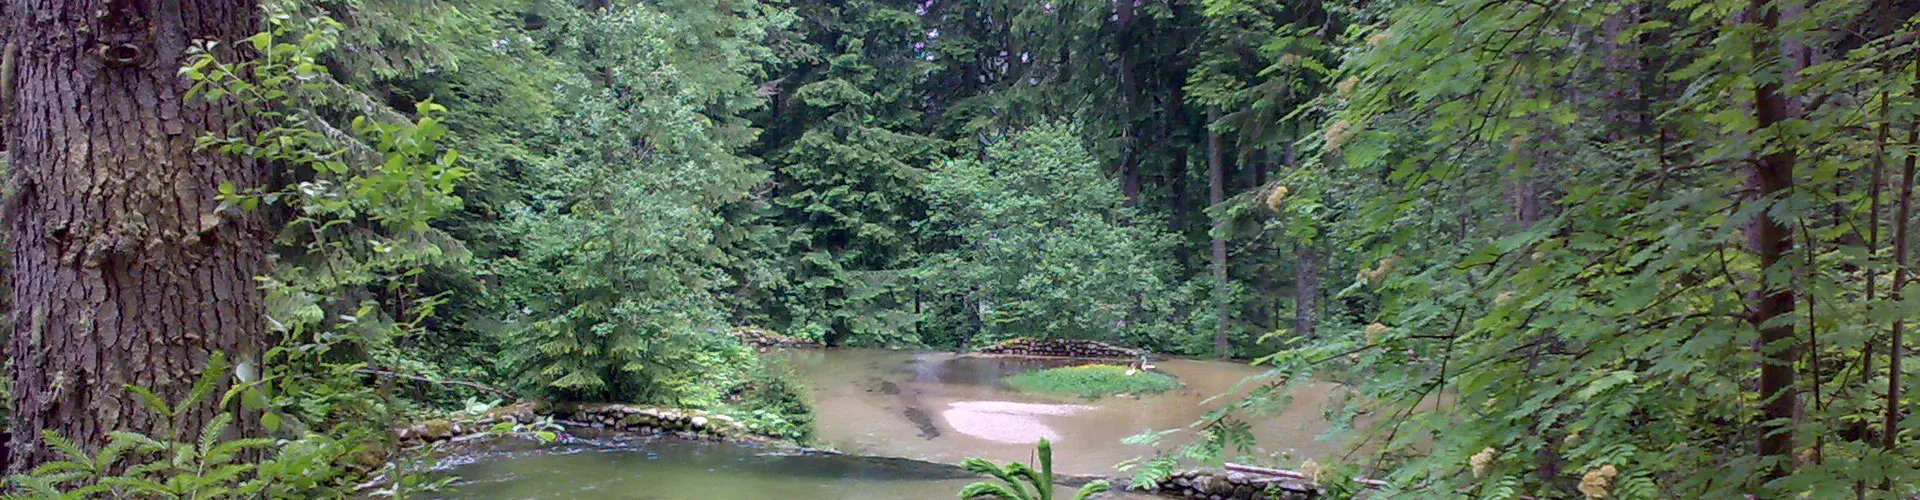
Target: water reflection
x=676 y=469
x=943 y=407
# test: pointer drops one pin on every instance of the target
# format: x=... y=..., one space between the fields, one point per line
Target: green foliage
x=848 y=160
x=623 y=246
x=1532 y=217
x=358 y=206
x=1047 y=248
x=358 y=232
x=177 y=464
x=1607 y=341
x=1093 y=381
x=1016 y=479
x=730 y=378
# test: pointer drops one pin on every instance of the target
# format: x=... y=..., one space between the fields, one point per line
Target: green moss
x=1093 y=381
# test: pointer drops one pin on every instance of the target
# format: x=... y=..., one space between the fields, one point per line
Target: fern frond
x=990 y=490
x=66 y=447
x=139 y=486
x=1022 y=471
x=152 y=402
x=210 y=434
x=138 y=441
x=1091 y=489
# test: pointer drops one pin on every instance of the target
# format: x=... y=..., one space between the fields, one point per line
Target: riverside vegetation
x=1561 y=249
x=1093 y=381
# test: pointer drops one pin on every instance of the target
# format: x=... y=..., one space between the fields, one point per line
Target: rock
x=1067 y=348
x=762 y=338
x=700 y=422
x=437 y=429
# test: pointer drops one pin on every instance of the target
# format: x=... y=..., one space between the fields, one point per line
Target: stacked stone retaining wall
x=764 y=338
x=1217 y=485
x=626 y=418
x=1064 y=348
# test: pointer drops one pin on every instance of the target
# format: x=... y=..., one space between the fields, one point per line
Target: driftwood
x=1293 y=475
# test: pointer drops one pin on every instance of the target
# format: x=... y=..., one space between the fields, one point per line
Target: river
x=925 y=406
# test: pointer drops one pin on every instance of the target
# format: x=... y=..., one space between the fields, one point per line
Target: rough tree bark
x=1174 y=107
x=1306 y=272
x=125 y=273
x=1216 y=193
x=1896 y=345
x=1623 y=114
x=1306 y=290
x=1769 y=238
x=1129 y=90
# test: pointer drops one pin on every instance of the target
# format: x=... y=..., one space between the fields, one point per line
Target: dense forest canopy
x=1635 y=249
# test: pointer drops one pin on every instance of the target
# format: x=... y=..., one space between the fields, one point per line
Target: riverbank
x=931 y=407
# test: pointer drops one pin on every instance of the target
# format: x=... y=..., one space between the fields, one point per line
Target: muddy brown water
x=661 y=468
x=880 y=406
x=944 y=407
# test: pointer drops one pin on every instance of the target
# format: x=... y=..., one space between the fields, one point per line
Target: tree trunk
x=1769 y=178
x=1896 y=345
x=1306 y=270
x=1129 y=90
x=1177 y=153
x=1623 y=114
x=1306 y=290
x=1217 y=193
x=125 y=272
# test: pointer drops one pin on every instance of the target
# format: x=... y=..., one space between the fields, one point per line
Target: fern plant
x=1015 y=477
x=173 y=464
x=204 y=468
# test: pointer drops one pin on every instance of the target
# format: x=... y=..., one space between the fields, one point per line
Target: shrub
x=1046 y=246
x=1093 y=381
x=1015 y=478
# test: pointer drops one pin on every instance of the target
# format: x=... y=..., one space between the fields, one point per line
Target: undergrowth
x=1093 y=381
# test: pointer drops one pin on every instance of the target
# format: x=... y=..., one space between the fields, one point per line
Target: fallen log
x=1293 y=475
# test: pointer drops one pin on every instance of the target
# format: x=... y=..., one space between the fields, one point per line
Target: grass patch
x=1092 y=381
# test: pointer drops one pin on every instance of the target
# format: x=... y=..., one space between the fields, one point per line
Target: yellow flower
x=1480 y=461
x=1374 y=331
x=1338 y=133
x=1274 y=199
x=1597 y=481
x=1312 y=470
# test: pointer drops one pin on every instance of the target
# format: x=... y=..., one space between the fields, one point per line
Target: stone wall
x=443 y=429
x=635 y=419
x=763 y=338
x=1217 y=485
x=1064 y=348
x=655 y=420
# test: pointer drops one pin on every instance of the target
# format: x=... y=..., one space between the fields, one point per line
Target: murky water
x=943 y=407
x=676 y=469
x=924 y=406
